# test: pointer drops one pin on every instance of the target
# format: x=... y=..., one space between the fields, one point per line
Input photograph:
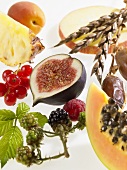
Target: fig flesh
x=57 y=79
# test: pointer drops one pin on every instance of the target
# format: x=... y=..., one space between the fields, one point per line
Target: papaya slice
x=112 y=155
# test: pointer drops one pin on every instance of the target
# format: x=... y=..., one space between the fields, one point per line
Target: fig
x=57 y=79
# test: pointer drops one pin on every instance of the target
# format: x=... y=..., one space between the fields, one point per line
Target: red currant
x=25 y=82
x=13 y=80
x=20 y=73
x=6 y=73
x=27 y=70
x=10 y=99
x=3 y=89
x=21 y=92
x=11 y=90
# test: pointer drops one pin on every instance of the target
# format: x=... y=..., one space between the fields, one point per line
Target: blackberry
x=28 y=121
x=25 y=155
x=59 y=117
x=34 y=136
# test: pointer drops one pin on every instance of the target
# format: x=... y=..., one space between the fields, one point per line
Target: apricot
x=28 y=14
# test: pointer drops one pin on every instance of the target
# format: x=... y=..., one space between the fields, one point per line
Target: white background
x=82 y=156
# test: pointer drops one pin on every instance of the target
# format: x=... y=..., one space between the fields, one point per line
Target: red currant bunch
x=16 y=84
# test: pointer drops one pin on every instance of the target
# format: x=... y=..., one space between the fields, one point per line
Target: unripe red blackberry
x=28 y=121
x=59 y=117
x=25 y=155
x=34 y=136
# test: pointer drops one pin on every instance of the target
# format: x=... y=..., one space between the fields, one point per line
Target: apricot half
x=28 y=14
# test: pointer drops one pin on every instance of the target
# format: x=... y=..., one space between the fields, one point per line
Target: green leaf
x=42 y=119
x=5 y=126
x=22 y=109
x=6 y=115
x=9 y=143
x=81 y=121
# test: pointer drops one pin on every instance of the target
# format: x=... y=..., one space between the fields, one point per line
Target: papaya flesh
x=110 y=154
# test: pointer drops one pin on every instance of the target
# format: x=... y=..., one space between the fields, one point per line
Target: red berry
x=27 y=70
x=11 y=90
x=74 y=107
x=13 y=80
x=10 y=99
x=21 y=92
x=25 y=82
x=20 y=73
x=6 y=73
x=3 y=89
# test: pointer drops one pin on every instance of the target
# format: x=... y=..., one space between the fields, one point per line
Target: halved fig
x=57 y=79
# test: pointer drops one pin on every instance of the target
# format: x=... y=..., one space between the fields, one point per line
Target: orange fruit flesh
x=111 y=155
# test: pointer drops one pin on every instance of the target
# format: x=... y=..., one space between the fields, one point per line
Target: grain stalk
x=106 y=30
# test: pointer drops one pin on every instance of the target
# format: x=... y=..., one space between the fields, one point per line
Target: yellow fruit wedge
x=18 y=44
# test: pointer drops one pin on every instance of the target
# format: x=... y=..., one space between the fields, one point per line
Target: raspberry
x=59 y=117
x=28 y=121
x=34 y=136
x=25 y=155
x=74 y=107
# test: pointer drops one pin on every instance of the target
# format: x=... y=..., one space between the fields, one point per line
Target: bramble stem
x=51 y=133
x=54 y=157
x=64 y=142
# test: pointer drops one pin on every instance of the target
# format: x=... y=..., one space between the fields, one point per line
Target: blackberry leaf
x=5 y=126
x=6 y=115
x=42 y=119
x=9 y=143
x=82 y=121
x=22 y=109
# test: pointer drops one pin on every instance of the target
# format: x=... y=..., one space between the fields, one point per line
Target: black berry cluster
x=59 y=117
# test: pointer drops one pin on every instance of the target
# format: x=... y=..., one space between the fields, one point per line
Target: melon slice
x=76 y=19
x=111 y=155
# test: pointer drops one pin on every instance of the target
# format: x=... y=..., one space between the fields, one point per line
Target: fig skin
x=121 y=60
x=64 y=95
x=113 y=87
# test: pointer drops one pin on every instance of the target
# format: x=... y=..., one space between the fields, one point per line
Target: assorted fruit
x=59 y=79
x=27 y=149
x=16 y=84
